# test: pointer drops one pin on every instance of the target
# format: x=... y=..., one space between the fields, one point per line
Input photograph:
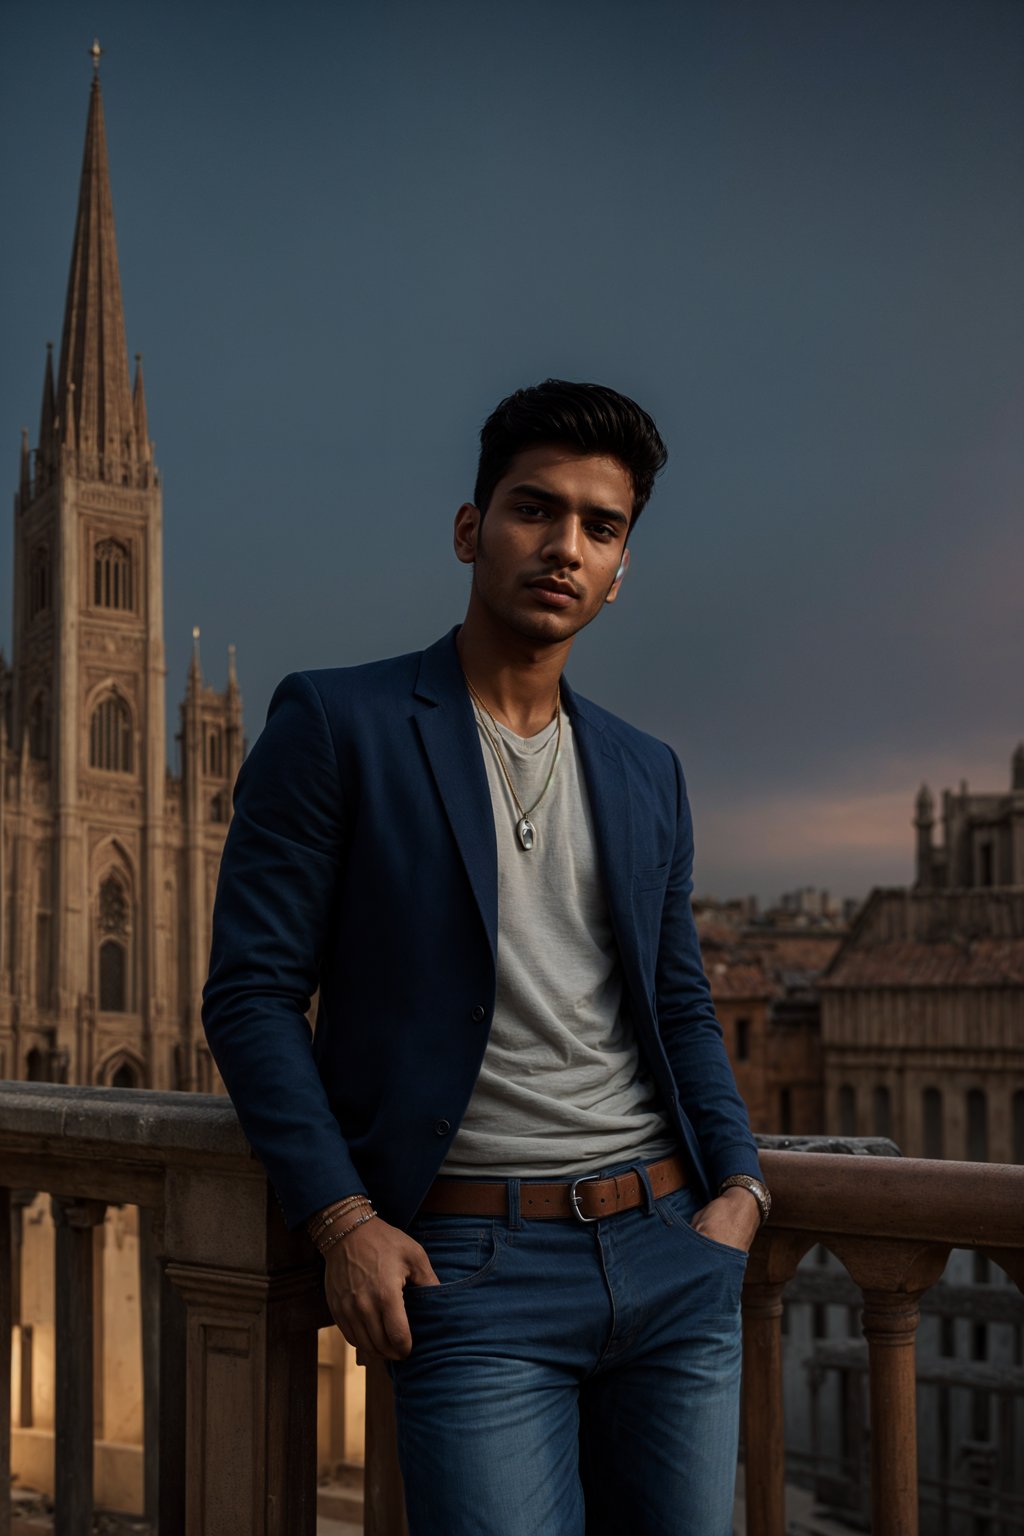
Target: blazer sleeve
x=271 y=918
x=690 y=1031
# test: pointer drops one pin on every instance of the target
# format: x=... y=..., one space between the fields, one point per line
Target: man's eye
x=531 y=509
x=602 y=530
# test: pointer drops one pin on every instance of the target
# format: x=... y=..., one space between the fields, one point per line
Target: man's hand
x=365 y=1276
x=732 y=1218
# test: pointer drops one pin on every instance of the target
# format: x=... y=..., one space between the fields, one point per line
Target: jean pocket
x=460 y=1257
x=676 y=1211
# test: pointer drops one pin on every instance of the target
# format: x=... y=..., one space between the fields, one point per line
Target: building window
x=35 y=1066
x=882 y=1109
x=39 y=581
x=986 y=863
x=213 y=755
x=219 y=808
x=112 y=575
x=112 y=977
x=114 y=932
x=931 y=1122
x=125 y=1077
x=110 y=736
x=847 y=1110
x=977 y=1125
x=742 y=1039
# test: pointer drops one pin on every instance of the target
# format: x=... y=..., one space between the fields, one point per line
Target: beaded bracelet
x=337 y=1237
x=319 y=1224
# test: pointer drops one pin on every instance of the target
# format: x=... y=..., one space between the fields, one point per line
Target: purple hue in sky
x=794 y=231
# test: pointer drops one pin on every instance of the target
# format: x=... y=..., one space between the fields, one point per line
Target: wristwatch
x=760 y=1192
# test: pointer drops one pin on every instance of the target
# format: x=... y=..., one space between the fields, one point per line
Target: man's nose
x=562 y=546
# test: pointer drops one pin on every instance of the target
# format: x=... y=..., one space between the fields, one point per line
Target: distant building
x=107 y=861
x=982 y=836
x=763 y=977
x=922 y=1033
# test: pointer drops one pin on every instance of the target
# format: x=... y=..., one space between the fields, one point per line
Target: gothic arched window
x=881 y=1101
x=110 y=736
x=112 y=977
x=39 y=581
x=212 y=755
x=125 y=1077
x=112 y=575
x=114 y=934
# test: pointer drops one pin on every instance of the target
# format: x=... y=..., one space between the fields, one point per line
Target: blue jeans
x=568 y=1379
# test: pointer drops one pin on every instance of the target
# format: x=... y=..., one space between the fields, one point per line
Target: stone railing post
x=773 y=1262
x=75 y=1222
x=253 y=1301
x=892 y=1275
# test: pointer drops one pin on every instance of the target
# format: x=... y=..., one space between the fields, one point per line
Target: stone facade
x=109 y=862
x=922 y=1013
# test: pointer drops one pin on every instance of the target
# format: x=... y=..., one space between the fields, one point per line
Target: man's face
x=546 y=556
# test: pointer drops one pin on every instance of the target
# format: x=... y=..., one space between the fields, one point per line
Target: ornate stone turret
x=924 y=821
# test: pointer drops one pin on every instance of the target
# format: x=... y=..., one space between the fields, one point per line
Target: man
x=516 y=1058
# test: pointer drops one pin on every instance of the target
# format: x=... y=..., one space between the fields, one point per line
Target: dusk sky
x=793 y=231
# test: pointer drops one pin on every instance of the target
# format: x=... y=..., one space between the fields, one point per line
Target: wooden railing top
x=968 y=1205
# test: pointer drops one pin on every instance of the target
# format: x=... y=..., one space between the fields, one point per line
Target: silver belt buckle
x=574 y=1199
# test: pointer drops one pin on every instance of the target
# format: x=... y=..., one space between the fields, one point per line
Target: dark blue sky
x=794 y=231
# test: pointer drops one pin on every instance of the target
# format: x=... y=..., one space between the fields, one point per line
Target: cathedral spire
x=94 y=398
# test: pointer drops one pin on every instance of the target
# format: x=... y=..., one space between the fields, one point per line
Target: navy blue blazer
x=361 y=859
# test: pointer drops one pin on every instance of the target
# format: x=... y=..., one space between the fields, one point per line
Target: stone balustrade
x=234 y=1302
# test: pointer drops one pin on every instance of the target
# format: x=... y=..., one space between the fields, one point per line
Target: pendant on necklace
x=527 y=832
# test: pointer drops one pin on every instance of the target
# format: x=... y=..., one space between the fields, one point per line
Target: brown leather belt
x=587 y=1198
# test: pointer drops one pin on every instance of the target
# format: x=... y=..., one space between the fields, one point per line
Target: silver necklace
x=525 y=829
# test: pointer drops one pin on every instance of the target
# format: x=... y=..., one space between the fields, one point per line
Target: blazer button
x=442 y=1127
x=479 y=1014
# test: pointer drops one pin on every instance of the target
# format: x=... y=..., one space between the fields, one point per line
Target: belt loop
x=515 y=1214
x=645 y=1180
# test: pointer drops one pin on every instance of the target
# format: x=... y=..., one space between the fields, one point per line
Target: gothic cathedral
x=108 y=862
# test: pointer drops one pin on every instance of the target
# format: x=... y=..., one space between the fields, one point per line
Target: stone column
x=75 y=1221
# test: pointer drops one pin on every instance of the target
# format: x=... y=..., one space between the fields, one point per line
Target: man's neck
x=514 y=678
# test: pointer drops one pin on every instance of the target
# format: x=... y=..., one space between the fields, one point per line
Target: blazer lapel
x=449 y=734
x=611 y=804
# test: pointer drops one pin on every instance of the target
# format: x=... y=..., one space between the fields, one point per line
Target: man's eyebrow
x=553 y=499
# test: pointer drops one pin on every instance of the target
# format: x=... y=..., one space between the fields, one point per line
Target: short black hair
x=589 y=417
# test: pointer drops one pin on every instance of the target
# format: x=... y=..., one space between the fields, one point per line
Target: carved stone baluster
x=6 y=1323
x=773 y=1261
x=892 y=1275
x=251 y=1401
x=75 y=1221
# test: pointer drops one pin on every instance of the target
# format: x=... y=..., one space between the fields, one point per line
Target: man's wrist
x=754 y=1187
x=338 y=1219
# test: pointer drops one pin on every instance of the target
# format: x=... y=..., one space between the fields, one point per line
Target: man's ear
x=620 y=574
x=467 y=532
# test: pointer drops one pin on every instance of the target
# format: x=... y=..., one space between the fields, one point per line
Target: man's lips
x=555 y=594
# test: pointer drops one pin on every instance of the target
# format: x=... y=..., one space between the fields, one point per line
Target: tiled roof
x=915 y=963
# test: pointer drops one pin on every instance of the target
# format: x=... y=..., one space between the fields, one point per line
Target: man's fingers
x=421 y=1271
x=396 y=1327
